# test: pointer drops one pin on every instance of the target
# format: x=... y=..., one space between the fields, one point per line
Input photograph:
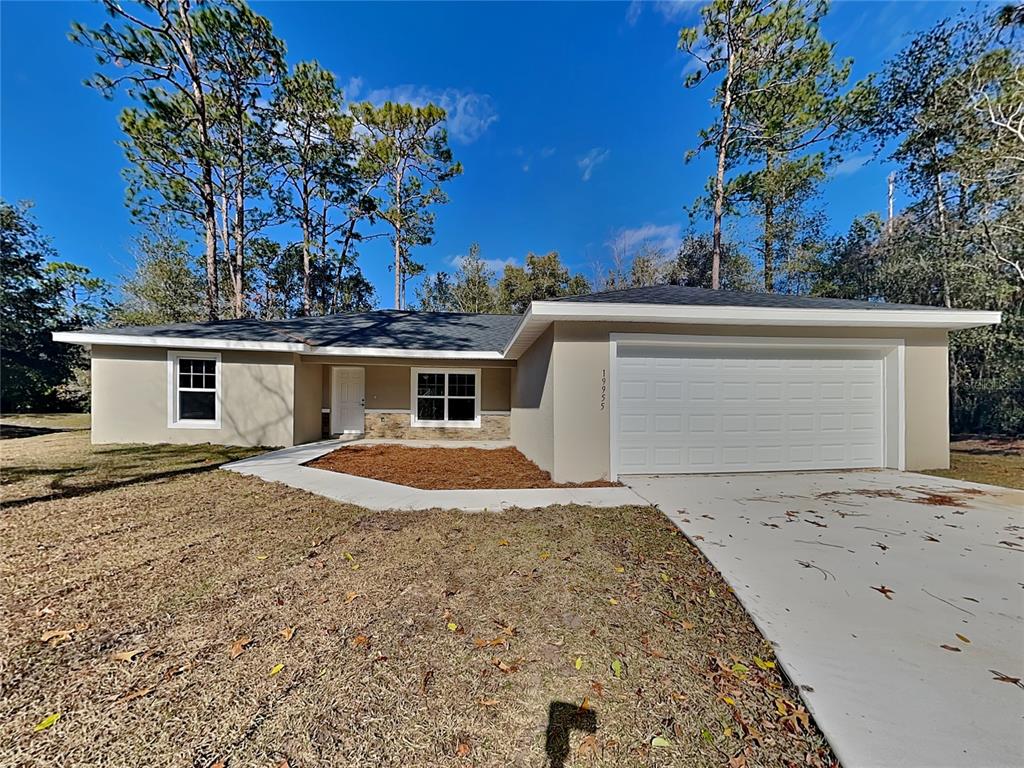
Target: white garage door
x=680 y=409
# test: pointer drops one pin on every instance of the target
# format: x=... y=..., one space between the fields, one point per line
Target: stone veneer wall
x=395 y=425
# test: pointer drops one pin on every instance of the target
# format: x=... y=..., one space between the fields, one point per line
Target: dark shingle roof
x=685 y=295
x=389 y=329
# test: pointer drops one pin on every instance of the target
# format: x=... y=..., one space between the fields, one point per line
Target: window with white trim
x=194 y=388
x=445 y=397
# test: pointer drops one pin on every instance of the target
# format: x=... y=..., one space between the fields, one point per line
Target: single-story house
x=664 y=379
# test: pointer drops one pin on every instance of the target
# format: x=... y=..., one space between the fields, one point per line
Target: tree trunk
x=208 y=195
x=397 y=224
x=238 y=281
x=723 y=144
x=307 y=300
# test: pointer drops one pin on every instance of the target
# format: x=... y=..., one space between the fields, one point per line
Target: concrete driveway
x=894 y=601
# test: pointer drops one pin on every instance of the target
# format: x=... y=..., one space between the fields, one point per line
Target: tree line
x=277 y=181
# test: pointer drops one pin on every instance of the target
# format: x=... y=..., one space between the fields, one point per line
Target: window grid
x=455 y=392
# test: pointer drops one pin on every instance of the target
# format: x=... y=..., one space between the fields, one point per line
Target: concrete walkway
x=894 y=601
x=285 y=466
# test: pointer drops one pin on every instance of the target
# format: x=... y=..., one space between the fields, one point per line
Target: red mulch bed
x=443 y=468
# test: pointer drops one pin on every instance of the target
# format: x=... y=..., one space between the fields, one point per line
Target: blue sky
x=570 y=119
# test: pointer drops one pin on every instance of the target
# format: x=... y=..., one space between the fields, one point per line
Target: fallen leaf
x=728 y=699
x=218 y=764
x=950 y=648
x=463 y=749
x=545 y=555
x=617 y=668
x=884 y=590
x=619 y=569
x=664 y=577
x=585 y=704
x=239 y=646
x=56 y=636
x=275 y=669
x=488 y=702
x=762 y=664
x=452 y=626
x=284 y=764
x=740 y=670
x=597 y=688
x=350 y=596
x=262 y=557
x=962 y=638
x=612 y=601
x=361 y=641
x=287 y=633
x=588 y=747
x=47 y=721
x=128 y=655
x=660 y=741
x=503 y=543
x=138 y=693
x=578 y=663
x=711 y=592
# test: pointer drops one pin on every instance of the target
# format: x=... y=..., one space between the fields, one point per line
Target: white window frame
x=414 y=405
x=173 y=358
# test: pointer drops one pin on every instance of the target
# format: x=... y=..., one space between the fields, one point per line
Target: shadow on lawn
x=15 y=431
x=563 y=719
x=122 y=467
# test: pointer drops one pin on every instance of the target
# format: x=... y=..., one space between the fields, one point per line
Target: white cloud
x=669 y=10
x=627 y=240
x=851 y=165
x=591 y=160
x=495 y=265
x=353 y=88
x=470 y=114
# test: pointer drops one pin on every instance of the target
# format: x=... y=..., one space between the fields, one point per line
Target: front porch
x=417 y=401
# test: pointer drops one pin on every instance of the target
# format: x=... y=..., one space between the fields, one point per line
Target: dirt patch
x=444 y=468
x=426 y=639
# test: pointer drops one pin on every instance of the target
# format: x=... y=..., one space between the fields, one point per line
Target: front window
x=446 y=398
x=194 y=385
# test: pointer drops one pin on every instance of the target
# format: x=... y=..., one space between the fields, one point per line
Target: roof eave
x=183 y=342
x=542 y=313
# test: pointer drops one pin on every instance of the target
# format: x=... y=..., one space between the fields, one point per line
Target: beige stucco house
x=666 y=379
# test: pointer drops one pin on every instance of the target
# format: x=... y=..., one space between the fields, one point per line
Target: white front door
x=747 y=410
x=347 y=398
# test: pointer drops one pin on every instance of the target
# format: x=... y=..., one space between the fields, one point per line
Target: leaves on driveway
x=884 y=591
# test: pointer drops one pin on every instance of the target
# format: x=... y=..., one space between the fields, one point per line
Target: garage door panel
x=708 y=410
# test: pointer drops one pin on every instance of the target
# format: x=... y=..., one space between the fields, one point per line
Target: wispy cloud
x=353 y=88
x=470 y=114
x=669 y=10
x=495 y=265
x=851 y=165
x=627 y=240
x=591 y=160
x=528 y=156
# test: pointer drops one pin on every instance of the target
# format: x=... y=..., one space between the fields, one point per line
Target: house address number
x=604 y=387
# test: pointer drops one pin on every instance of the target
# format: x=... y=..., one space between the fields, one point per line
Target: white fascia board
x=424 y=354
x=907 y=318
x=541 y=313
x=174 y=342
x=178 y=342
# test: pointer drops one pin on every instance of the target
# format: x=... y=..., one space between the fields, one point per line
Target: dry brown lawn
x=441 y=468
x=991 y=460
x=524 y=638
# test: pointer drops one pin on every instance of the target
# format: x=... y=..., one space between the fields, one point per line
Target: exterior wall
x=129 y=398
x=581 y=427
x=533 y=402
x=388 y=397
x=395 y=425
x=308 y=387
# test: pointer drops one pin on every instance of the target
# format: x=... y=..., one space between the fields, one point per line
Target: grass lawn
x=172 y=614
x=996 y=461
